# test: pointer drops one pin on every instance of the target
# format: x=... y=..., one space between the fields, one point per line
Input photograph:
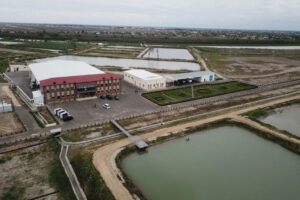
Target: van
x=62 y=113
x=59 y=112
x=56 y=110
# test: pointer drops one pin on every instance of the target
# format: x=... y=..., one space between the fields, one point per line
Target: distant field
x=257 y=66
x=173 y=96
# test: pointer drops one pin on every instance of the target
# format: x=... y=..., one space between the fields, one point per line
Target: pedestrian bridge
x=136 y=140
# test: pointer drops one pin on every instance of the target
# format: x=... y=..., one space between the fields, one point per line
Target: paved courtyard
x=85 y=111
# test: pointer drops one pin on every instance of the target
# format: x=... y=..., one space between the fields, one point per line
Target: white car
x=106 y=106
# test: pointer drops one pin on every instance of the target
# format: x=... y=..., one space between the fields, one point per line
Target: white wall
x=153 y=84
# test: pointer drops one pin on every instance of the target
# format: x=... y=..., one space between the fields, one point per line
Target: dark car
x=116 y=98
x=102 y=97
x=109 y=97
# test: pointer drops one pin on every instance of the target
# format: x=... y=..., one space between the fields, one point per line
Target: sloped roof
x=61 y=68
x=143 y=74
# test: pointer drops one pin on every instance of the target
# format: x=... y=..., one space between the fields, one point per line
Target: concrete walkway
x=70 y=172
x=143 y=53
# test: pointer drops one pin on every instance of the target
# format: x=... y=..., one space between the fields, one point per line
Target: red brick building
x=75 y=87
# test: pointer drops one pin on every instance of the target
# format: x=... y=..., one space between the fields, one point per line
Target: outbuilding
x=190 y=77
x=145 y=80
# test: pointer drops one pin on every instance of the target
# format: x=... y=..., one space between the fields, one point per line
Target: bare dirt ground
x=5 y=91
x=104 y=157
x=261 y=69
x=9 y=123
x=28 y=170
x=258 y=66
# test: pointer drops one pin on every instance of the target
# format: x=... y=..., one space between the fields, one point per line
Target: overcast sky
x=235 y=14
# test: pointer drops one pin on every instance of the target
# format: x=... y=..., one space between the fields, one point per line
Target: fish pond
x=285 y=119
x=228 y=163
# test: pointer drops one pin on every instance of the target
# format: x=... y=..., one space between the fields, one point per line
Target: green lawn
x=173 y=96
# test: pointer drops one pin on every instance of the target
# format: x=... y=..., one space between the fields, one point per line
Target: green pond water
x=286 y=119
x=226 y=163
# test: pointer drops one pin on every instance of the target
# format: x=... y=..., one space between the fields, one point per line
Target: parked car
x=106 y=106
x=116 y=97
x=102 y=97
x=109 y=97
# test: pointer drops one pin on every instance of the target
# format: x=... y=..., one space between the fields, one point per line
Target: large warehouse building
x=145 y=80
x=60 y=80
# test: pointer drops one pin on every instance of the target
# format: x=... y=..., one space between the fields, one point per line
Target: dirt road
x=104 y=157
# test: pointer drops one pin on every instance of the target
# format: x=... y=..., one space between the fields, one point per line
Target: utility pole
x=192 y=87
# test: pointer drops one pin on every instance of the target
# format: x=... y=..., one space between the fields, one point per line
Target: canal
x=226 y=163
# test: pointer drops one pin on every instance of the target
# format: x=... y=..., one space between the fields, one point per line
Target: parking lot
x=89 y=111
x=84 y=112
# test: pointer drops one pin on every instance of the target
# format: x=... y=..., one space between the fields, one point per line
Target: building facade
x=144 y=80
x=78 y=87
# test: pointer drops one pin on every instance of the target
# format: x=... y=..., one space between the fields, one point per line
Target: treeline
x=85 y=37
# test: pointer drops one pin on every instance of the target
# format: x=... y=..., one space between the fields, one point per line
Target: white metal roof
x=189 y=75
x=61 y=68
x=143 y=74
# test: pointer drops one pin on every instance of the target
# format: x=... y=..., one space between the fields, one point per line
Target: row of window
x=106 y=82
x=73 y=88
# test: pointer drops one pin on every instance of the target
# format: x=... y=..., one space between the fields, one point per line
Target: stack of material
x=5 y=107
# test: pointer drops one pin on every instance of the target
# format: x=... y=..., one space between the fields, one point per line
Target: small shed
x=38 y=98
x=5 y=107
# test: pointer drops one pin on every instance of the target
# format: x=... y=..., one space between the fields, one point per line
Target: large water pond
x=255 y=47
x=227 y=163
x=126 y=63
x=168 y=53
x=285 y=119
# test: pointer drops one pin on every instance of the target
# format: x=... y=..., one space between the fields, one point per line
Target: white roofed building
x=59 y=80
x=144 y=80
x=60 y=68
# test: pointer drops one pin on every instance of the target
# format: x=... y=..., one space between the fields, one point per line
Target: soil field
x=25 y=173
x=178 y=95
x=10 y=123
x=6 y=92
x=257 y=66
